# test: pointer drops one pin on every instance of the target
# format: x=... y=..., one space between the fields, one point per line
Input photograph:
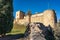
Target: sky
x=36 y=6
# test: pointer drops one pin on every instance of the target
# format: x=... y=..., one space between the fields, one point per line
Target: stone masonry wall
x=47 y=18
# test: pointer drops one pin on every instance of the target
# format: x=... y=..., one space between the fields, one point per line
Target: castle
x=48 y=17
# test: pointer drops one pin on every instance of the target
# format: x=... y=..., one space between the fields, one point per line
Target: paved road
x=12 y=37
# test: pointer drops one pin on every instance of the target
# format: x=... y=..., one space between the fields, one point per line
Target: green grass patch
x=18 y=29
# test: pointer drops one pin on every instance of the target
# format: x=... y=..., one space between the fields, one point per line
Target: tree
x=6 y=16
x=29 y=14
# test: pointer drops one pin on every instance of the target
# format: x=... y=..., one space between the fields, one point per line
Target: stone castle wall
x=47 y=18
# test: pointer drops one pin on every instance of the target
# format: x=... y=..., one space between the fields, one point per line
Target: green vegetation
x=18 y=29
x=6 y=16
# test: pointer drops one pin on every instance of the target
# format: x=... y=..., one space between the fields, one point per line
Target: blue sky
x=36 y=6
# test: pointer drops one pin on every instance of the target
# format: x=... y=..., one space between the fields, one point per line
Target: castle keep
x=48 y=17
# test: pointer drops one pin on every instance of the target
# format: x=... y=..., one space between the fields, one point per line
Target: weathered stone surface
x=48 y=17
x=39 y=32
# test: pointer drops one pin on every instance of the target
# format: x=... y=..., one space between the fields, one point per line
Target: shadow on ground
x=12 y=37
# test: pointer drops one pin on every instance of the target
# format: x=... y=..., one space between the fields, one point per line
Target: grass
x=18 y=29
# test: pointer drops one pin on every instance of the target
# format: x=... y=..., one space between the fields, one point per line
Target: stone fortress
x=48 y=17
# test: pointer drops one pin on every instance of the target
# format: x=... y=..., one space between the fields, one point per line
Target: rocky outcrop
x=37 y=31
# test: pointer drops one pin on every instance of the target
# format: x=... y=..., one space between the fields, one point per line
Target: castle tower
x=19 y=15
x=50 y=18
